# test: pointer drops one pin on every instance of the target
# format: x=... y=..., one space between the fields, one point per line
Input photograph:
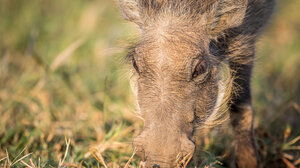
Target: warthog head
x=175 y=71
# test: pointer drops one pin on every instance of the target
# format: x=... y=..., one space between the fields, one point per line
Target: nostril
x=155 y=166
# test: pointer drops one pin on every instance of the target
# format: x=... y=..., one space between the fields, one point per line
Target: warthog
x=176 y=73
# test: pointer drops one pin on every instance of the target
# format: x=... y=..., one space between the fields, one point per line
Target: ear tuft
x=130 y=10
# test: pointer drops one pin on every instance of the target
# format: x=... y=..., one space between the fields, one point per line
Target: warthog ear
x=225 y=14
x=130 y=10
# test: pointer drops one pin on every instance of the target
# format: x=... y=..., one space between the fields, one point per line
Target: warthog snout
x=161 y=148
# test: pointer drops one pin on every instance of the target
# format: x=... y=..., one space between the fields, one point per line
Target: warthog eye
x=135 y=65
x=200 y=68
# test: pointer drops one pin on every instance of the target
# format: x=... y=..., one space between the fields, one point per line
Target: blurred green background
x=63 y=76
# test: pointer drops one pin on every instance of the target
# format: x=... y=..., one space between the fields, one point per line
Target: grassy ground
x=64 y=88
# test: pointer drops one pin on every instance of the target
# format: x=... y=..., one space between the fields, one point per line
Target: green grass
x=62 y=76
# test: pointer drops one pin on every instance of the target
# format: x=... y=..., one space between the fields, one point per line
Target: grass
x=65 y=96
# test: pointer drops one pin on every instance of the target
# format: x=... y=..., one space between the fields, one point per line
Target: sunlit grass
x=65 y=96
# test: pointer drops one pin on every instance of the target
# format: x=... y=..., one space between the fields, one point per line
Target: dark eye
x=200 y=68
x=135 y=65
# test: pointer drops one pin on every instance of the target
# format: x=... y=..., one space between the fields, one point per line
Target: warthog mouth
x=180 y=162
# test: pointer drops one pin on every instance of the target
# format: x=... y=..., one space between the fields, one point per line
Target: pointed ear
x=225 y=14
x=130 y=10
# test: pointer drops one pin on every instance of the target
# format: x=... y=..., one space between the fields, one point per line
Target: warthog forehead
x=164 y=50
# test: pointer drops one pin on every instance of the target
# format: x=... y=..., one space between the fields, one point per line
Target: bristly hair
x=193 y=10
x=179 y=7
x=130 y=52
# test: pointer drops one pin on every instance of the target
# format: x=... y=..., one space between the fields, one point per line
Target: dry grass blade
x=293 y=148
x=7 y=156
x=5 y=164
x=33 y=165
x=64 y=55
x=26 y=164
x=178 y=157
x=288 y=156
x=189 y=157
x=182 y=162
x=13 y=162
x=287 y=163
x=130 y=159
x=287 y=133
x=96 y=153
x=294 y=140
x=297 y=162
x=80 y=165
x=3 y=159
x=66 y=152
x=296 y=107
x=21 y=159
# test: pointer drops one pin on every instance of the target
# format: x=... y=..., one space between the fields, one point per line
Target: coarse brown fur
x=176 y=73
